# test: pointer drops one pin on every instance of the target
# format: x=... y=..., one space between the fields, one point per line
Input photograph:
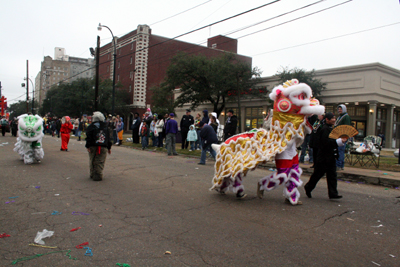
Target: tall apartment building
x=143 y=58
x=61 y=68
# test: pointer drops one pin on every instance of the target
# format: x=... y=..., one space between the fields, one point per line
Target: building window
x=130 y=88
x=329 y=109
x=131 y=60
x=360 y=112
x=132 y=46
x=108 y=68
x=351 y=111
x=118 y=64
x=118 y=77
x=254 y=118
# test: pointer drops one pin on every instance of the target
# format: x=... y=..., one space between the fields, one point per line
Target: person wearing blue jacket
x=192 y=137
x=171 y=129
x=208 y=137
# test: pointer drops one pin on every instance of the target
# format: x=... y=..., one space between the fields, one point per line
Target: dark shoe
x=201 y=163
x=241 y=195
x=175 y=154
x=66 y=150
x=260 y=193
x=61 y=149
x=308 y=193
x=336 y=197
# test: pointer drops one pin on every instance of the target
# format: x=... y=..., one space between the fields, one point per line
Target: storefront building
x=371 y=93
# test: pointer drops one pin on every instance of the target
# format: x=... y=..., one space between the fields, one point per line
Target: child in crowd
x=192 y=137
x=144 y=133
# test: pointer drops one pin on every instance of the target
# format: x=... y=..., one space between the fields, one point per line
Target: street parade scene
x=158 y=151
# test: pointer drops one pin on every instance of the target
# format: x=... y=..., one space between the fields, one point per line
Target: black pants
x=315 y=154
x=185 y=143
x=135 y=136
x=3 y=130
x=331 y=178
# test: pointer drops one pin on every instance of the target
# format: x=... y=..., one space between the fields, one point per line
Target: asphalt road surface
x=149 y=203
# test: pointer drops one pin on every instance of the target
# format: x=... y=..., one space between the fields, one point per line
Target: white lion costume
x=29 y=140
x=285 y=132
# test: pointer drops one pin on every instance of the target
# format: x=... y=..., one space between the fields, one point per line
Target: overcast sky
x=31 y=30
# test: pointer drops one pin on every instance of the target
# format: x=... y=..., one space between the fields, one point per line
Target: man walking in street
x=4 y=125
x=230 y=125
x=171 y=129
x=98 y=143
x=186 y=121
x=325 y=163
x=208 y=137
x=343 y=119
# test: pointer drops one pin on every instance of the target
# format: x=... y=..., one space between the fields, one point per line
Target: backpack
x=4 y=122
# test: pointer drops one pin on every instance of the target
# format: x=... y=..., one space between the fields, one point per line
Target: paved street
x=149 y=203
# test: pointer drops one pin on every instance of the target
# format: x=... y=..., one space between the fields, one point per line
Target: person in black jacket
x=314 y=138
x=135 y=128
x=230 y=125
x=98 y=143
x=186 y=121
x=325 y=163
x=208 y=137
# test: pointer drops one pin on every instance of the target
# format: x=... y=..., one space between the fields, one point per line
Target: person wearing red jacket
x=66 y=128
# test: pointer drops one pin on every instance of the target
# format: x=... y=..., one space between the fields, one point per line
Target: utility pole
x=27 y=86
x=96 y=88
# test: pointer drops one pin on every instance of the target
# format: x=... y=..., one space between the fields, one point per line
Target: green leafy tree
x=19 y=108
x=162 y=99
x=303 y=76
x=214 y=80
x=77 y=98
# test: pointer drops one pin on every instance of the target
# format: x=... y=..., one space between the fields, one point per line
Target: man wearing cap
x=98 y=143
x=208 y=137
x=230 y=125
x=325 y=163
x=171 y=129
x=343 y=119
x=186 y=121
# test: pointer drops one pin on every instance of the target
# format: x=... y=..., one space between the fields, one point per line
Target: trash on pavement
x=41 y=235
x=79 y=213
x=75 y=229
x=88 y=251
x=375 y=263
x=81 y=245
x=167 y=252
x=4 y=235
x=8 y=202
x=35 y=245
x=378 y=226
x=56 y=212
x=14 y=197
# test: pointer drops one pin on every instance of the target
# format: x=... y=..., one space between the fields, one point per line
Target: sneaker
x=287 y=201
x=198 y=149
x=241 y=195
x=190 y=150
x=260 y=193
x=116 y=144
x=201 y=163
x=336 y=197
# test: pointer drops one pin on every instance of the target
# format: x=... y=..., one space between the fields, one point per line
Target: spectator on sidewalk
x=205 y=118
x=197 y=121
x=305 y=146
x=98 y=144
x=160 y=128
x=120 y=131
x=153 y=131
x=135 y=128
x=208 y=137
x=192 y=137
x=230 y=125
x=325 y=163
x=144 y=134
x=343 y=119
x=171 y=129
x=186 y=121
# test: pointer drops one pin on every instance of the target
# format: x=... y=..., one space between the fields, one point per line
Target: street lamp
x=115 y=65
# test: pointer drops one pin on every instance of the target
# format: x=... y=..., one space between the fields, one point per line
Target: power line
x=327 y=39
x=220 y=21
x=180 y=13
x=301 y=17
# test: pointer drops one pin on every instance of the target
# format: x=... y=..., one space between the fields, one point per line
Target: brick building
x=143 y=58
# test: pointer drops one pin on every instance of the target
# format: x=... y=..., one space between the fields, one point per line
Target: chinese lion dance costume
x=29 y=140
x=282 y=134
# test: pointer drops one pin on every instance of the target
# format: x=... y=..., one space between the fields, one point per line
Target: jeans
x=198 y=142
x=192 y=145
x=145 y=140
x=204 y=153
x=170 y=143
x=160 y=139
x=340 y=160
x=155 y=140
